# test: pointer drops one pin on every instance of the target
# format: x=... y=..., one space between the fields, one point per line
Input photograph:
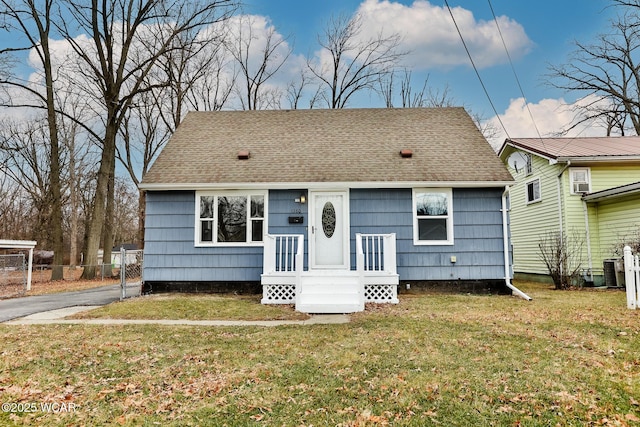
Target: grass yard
x=565 y=358
x=190 y=307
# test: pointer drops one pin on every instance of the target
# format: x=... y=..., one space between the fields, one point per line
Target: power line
x=495 y=111
x=513 y=70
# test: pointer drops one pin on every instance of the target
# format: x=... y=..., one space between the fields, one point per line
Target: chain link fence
x=129 y=263
x=104 y=272
x=125 y=269
x=13 y=275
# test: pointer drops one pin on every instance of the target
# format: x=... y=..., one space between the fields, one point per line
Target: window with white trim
x=529 y=165
x=230 y=218
x=533 y=191
x=432 y=216
x=580 y=180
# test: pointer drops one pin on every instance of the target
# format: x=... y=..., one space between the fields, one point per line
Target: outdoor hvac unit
x=609 y=272
x=613 y=273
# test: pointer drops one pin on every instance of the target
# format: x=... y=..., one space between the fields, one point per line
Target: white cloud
x=547 y=118
x=429 y=33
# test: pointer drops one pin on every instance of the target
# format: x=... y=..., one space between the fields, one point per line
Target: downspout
x=586 y=224
x=505 y=240
x=560 y=221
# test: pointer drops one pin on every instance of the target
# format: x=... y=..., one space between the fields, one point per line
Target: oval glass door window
x=328 y=219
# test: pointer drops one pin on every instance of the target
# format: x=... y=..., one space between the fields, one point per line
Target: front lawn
x=565 y=358
x=194 y=307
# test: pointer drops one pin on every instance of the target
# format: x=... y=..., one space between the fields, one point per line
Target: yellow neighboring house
x=588 y=187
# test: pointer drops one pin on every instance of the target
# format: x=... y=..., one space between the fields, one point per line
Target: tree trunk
x=94 y=234
x=142 y=206
x=107 y=231
x=73 y=200
x=55 y=196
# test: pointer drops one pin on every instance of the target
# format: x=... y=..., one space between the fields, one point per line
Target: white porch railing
x=283 y=253
x=376 y=252
x=632 y=278
x=283 y=277
x=282 y=265
x=376 y=267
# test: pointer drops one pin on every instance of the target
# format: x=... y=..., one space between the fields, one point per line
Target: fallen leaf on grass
x=631 y=417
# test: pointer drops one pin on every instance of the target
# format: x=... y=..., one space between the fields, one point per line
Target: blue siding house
x=327 y=209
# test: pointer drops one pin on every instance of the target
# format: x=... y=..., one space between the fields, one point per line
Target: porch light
x=302 y=199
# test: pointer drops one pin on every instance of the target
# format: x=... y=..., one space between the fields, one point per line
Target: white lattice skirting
x=381 y=293
x=286 y=294
x=278 y=294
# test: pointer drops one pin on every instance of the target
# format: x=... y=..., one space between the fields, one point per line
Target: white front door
x=329 y=229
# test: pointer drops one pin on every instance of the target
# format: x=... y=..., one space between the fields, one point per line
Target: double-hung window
x=230 y=218
x=580 y=182
x=432 y=216
x=533 y=191
x=529 y=164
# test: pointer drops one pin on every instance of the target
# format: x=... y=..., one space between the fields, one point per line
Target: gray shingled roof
x=306 y=146
x=575 y=148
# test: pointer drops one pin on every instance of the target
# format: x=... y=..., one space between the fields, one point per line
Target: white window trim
x=246 y=193
x=449 y=217
x=526 y=191
x=528 y=166
x=571 y=181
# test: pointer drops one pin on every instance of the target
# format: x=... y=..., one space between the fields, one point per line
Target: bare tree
x=127 y=40
x=425 y=96
x=143 y=134
x=296 y=88
x=214 y=91
x=33 y=19
x=197 y=79
x=194 y=70
x=23 y=147
x=609 y=70
x=271 y=54
x=81 y=156
x=348 y=64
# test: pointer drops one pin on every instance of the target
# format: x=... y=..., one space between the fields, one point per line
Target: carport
x=21 y=244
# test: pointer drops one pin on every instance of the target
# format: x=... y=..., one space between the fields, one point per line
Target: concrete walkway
x=58 y=317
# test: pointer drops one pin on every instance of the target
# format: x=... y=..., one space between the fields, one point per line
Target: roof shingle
x=332 y=146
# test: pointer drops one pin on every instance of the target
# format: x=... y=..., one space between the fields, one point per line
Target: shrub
x=562 y=255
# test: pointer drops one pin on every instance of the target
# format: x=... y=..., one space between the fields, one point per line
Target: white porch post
x=390 y=253
x=630 y=276
x=29 y=269
x=360 y=269
x=299 y=260
x=22 y=244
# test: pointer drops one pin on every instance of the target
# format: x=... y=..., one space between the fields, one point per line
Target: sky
x=536 y=33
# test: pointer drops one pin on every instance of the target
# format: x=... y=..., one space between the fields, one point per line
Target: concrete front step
x=330 y=295
x=332 y=308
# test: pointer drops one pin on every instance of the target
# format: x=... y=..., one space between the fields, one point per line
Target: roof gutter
x=624 y=190
x=505 y=239
x=317 y=185
x=603 y=158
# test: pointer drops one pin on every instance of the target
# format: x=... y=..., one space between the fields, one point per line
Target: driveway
x=19 y=307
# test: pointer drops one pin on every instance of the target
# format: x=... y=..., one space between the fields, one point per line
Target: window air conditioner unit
x=580 y=187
